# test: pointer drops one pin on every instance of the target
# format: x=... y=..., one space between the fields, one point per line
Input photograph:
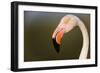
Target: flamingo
x=67 y=23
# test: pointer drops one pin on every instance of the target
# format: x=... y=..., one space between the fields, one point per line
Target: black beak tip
x=56 y=46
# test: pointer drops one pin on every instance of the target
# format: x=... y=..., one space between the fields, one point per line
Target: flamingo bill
x=57 y=40
x=59 y=36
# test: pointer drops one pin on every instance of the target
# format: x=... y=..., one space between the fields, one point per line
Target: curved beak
x=57 y=40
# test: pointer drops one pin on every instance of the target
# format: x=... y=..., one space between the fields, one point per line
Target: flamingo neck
x=85 y=46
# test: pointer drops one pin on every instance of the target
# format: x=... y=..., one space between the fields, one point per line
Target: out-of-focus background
x=38 y=29
x=5 y=36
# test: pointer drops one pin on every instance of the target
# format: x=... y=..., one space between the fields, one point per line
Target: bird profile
x=66 y=24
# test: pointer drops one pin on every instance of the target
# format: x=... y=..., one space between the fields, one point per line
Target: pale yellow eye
x=65 y=20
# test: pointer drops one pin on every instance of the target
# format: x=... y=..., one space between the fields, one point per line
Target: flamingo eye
x=65 y=20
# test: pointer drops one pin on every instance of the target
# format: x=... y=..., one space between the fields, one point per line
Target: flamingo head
x=66 y=24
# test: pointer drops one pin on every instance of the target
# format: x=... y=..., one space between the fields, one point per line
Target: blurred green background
x=38 y=29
